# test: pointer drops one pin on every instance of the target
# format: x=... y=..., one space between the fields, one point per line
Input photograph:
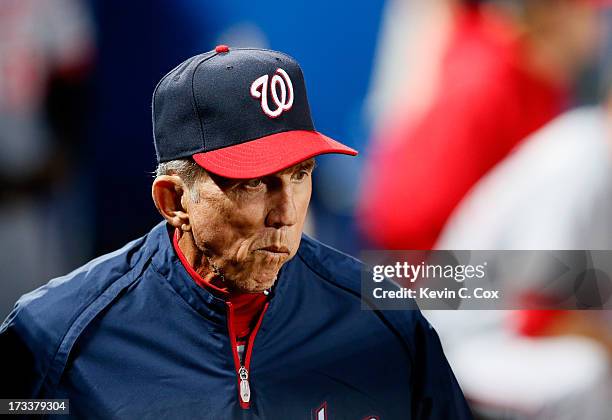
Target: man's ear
x=168 y=192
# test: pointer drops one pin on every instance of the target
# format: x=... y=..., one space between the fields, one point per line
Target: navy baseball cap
x=239 y=112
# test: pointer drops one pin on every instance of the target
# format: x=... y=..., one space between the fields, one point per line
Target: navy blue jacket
x=130 y=335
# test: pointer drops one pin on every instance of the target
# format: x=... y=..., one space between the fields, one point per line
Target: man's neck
x=193 y=255
x=197 y=264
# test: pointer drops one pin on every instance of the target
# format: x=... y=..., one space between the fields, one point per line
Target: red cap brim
x=270 y=154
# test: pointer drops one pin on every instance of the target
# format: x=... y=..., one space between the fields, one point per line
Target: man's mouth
x=275 y=249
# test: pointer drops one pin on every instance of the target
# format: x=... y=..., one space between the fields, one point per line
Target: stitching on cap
x=167 y=75
x=194 y=101
x=267 y=50
x=164 y=78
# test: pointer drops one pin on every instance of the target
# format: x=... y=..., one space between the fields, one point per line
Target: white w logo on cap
x=283 y=102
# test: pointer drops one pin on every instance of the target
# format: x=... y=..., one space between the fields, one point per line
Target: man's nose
x=282 y=210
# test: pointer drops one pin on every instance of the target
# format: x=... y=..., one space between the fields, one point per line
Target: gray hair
x=189 y=171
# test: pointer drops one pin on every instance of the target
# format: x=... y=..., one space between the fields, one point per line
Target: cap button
x=222 y=48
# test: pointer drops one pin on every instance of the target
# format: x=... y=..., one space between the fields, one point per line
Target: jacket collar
x=165 y=261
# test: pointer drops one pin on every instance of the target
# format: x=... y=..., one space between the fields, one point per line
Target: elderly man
x=225 y=310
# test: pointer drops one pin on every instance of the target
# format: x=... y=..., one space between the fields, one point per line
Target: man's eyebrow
x=307 y=164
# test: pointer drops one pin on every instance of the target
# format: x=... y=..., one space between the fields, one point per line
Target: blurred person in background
x=506 y=70
x=554 y=192
x=46 y=49
x=397 y=94
x=496 y=72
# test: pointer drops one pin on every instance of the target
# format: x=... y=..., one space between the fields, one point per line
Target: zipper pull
x=245 y=389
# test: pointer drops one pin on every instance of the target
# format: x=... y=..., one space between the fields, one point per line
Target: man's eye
x=253 y=183
x=299 y=176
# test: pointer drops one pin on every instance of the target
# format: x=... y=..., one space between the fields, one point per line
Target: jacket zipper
x=242 y=370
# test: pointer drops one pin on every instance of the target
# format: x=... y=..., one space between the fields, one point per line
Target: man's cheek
x=241 y=248
x=296 y=237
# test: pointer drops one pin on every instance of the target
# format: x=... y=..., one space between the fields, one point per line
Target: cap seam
x=153 y=104
x=170 y=73
x=265 y=49
x=166 y=76
x=194 y=101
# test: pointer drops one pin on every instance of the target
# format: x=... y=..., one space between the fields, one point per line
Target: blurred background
x=481 y=125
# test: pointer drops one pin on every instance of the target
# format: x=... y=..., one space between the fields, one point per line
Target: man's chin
x=258 y=276
x=258 y=286
x=256 y=282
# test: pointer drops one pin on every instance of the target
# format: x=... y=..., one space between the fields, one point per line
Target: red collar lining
x=207 y=282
